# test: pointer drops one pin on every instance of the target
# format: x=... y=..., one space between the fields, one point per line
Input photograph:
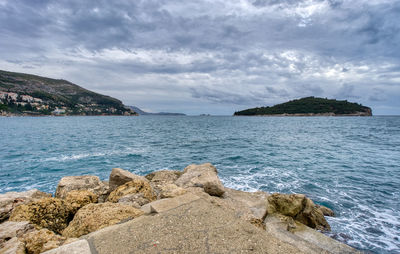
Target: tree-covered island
x=310 y=106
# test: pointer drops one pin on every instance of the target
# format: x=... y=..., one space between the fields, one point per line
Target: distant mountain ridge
x=144 y=113
x=22 y=93
x=310 y=106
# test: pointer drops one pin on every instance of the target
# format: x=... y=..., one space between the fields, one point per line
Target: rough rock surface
x=164 y=176
x=77 y=247
x=133 y=187
x=11 y=229
x=171 y=190
x=10 y=200
x=12 y=246
x=93 y=217
x=204 y=176
x=248 y=204
x=51 y=213
x=39 y=241
x=136 y=200
x=300 y=208
x=87 y=182
x=191 y=227
x=120 y=176
x=326 y=211
x=77 y=199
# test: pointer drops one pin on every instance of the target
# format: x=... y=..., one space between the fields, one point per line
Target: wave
x=78 y=156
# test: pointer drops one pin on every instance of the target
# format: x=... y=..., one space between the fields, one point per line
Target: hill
x=27 y=94
x=144 y=113
x=310 y=106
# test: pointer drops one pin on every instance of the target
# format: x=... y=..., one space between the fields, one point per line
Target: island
x=310 y=106
x=31 y=95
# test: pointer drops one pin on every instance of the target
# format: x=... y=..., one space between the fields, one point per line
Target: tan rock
x=120 y=176
x=133 y=187
x=76 y=247
x=254 y=203
x=10 y=200
x=42 y=240
x=11 y=229
x=93 y=217
x=164 y=176
x=77 y=199
x=87 y=182
x=12 y=246
x=51 y=213
x=299 y=207
x=171 y=190
x=326 y=211
x=205 y=176
x=136 y=200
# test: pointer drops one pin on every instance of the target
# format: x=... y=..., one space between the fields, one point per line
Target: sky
x=210 y=56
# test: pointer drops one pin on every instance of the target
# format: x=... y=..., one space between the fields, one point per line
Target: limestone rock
x=136 y=200
x=87 y=182
x=249 y=205
x=77 y=199
x=120 y=176
x=76 y=247
x=300 y=208
x=205 y=176
x=326 y=211
x=10 y=200
x=51 y=213
x=39 y=241
x=133 y=187
x=11 y=229
x=93 y=217
x=12 y=246
x=170 y=191
x=164 y=176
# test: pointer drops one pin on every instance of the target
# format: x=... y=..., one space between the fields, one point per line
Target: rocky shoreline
x=166 y=211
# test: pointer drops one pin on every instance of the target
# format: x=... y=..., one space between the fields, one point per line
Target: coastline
x=193 y=203
x=312 y=114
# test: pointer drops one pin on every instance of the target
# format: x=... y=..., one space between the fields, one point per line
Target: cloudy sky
x=210 y=56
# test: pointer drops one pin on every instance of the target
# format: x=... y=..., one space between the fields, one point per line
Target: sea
x=349 y=164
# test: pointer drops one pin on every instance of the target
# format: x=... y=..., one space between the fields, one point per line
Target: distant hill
x=310 y=106
x=141 y=112
x=34 y=95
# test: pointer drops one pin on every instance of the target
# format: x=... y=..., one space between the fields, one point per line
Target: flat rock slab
x=198 y=226
x=166 y=204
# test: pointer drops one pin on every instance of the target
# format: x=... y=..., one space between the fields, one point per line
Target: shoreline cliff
x=165 y=211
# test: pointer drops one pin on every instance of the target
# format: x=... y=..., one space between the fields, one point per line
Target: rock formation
x=164 y=212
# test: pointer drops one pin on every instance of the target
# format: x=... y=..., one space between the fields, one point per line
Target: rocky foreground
x=163 y=212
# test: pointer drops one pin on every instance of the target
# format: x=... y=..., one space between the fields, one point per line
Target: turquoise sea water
x=350 y=164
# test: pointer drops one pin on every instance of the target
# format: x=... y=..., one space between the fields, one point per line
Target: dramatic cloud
x=210 y=56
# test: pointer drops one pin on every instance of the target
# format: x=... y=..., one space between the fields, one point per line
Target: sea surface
x=349 y=164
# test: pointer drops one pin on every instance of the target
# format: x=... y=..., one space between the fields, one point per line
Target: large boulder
x=170 y=191
x=164 y=176
x=136 y=200
x=87 y=182
x=133 y=187
x=42 y=240
x=204 y=176
x=120 y=176
x=300 y=208
x=10 y=200
x=50 y=213
x=93 y=217
x=77 y=199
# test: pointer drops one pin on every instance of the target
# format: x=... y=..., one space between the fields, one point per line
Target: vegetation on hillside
x=54 y=94
x=309 y=105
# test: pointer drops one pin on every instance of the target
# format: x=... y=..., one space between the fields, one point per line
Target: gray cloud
x=225 y=53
